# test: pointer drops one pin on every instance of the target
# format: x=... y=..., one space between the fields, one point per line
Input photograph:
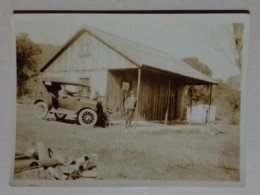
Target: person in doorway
x=124 y=94
x=130 y=105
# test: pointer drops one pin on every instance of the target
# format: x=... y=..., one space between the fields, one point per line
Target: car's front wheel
x=40 y=109
x=87 y=117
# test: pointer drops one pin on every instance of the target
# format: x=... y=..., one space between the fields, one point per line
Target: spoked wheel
x=87 y=117
x=60 y=116
x=40 y=109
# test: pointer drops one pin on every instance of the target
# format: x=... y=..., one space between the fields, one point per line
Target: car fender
x=42 y=100
x=92 y=108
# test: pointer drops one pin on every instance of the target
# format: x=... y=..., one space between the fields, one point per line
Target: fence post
x=168 y=102
x=137 y=96
x=210 y=97
x=190 y=103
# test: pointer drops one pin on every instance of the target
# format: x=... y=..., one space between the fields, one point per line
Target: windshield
x=84 y=92
x=77 y=91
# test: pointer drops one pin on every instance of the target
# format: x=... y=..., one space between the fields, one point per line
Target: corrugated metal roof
x=139 y=54
x=144 y=55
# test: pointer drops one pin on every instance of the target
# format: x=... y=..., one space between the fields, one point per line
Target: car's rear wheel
x=40 y=109
x=60 y=116
x=87 y=117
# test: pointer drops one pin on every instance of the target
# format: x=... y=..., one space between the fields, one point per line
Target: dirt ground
x=136 y=154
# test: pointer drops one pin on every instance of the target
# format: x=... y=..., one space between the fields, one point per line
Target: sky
x=180 y=35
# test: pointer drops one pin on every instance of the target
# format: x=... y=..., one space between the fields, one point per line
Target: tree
x=26 y=52
x=196 y=64
x=238 y=30
x=234 y=97
x=200 y=93
x=227 y=100
x=228 y=39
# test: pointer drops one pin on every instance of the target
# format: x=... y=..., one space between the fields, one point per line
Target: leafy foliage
x=196 y=64
x=200 y=93
x=226 y=95
x=26 y=53
x=234 y=97
x=227 y=99
x=238 y=29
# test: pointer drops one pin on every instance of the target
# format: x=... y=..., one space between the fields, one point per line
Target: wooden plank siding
x=72 y=65
x=154 y=93
x=154 y=96
x=106 y=69
x=114 y=85
x=100 y=57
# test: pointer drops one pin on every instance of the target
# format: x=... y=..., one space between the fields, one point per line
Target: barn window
x=84 y=81
x=85 y=48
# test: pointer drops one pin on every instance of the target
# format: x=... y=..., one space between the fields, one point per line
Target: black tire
x=40 y=109
x=87 y=117
x=59 y=116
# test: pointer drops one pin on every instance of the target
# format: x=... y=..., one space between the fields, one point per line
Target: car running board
x=63 y=111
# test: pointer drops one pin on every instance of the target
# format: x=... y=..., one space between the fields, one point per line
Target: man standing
x=130 y=105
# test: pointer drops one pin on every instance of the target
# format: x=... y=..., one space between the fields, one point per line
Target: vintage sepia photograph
x=129 y=99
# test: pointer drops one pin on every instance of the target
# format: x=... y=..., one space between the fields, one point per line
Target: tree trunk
x=238 y=30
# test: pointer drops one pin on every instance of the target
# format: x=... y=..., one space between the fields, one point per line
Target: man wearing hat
x=130 y=105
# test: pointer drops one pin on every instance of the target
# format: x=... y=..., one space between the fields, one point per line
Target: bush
x=26 y=55
x=234 y=119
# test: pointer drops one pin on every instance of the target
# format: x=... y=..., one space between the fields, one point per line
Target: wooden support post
x=210 y=99
x=190 y=103
x=168 y=102
x=137 y=96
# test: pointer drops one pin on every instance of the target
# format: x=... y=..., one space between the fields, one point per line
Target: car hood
x=88 y=101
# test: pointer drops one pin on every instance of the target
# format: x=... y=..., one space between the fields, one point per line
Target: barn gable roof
x=138 y=54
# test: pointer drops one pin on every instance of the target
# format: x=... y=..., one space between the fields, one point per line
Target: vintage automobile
x=62 y=98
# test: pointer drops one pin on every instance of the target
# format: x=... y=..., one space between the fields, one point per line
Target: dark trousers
x=55 y=102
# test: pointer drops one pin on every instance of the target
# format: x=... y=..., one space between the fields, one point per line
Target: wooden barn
x=109 y=63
